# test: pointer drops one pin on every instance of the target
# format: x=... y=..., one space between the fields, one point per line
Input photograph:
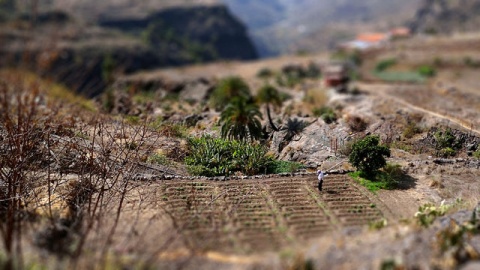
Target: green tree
x=269 y=95
x=227 y=89
x=241 y=120
x=367 y=156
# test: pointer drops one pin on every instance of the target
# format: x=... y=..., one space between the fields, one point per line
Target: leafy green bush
x=377 y=224
x=227 y=89
x=281 y=166
x=216 y=157
x=444 y=138
x=447 y=152
x=385 y=64
x=288 y=80
x=427 y=213
x=427 y=71
x=265 y=73
x=326 y=113
x=367 y=156
x=476 y=154
x=158 y=158
x=132 y=119
x=392 y=175
x=388 y=178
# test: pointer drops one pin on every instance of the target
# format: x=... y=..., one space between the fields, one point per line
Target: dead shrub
x=411 y=130
x=172 y=130
x=356 y=123
x=346 y=149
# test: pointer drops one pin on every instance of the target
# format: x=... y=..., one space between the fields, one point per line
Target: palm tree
x=227 y=89
x=269 y=95
x=241 y=120
x=294 y=127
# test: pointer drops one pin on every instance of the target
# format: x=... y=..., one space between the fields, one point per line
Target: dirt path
x=384 y=89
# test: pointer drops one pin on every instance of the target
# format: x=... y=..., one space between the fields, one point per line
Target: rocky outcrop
x=441 y=16
x=191 y=34
x=87 y=58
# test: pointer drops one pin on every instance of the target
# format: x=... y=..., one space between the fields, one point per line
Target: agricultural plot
x=262 y=215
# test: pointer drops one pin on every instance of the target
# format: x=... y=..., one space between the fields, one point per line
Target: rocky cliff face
x=192 y=34
x=86 y=56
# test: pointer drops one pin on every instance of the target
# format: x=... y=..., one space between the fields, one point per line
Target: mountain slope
x=290 y=23
x=441 y=16
x=84 y=50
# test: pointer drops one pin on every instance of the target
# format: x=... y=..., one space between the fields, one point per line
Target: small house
x=335 y=75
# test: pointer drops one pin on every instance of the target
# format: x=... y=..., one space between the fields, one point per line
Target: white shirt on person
x=320 y=175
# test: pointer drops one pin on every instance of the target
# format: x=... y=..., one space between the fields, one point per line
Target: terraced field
x=262 y=215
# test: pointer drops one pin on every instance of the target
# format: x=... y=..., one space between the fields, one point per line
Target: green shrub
x=367 y=156
x=227 y=89
x=438 y=62
x=385 y=64
x=287 y=80
x=388 y=178
x=469 y=62
x=476 y=154
x=377 y=224
x=265 y=73
x=447 y=152
x=326 y=113
x=427 y=213
x=132 y=119
x=411 y=130
x=313 y=71
x=108 y=100
x=445 y=139
x=427 y=71
x=392 y=175
x=210 y=156
x=281 y=166
x=131 y=145
x=158 y=158
x=172 y=130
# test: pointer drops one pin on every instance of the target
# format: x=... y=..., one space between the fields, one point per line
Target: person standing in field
x=320 y=176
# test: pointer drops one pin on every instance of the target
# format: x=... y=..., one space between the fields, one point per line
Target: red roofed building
x=374 y=39
x=367 y=41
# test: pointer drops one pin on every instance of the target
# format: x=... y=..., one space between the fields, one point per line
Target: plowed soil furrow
x=263 y=215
